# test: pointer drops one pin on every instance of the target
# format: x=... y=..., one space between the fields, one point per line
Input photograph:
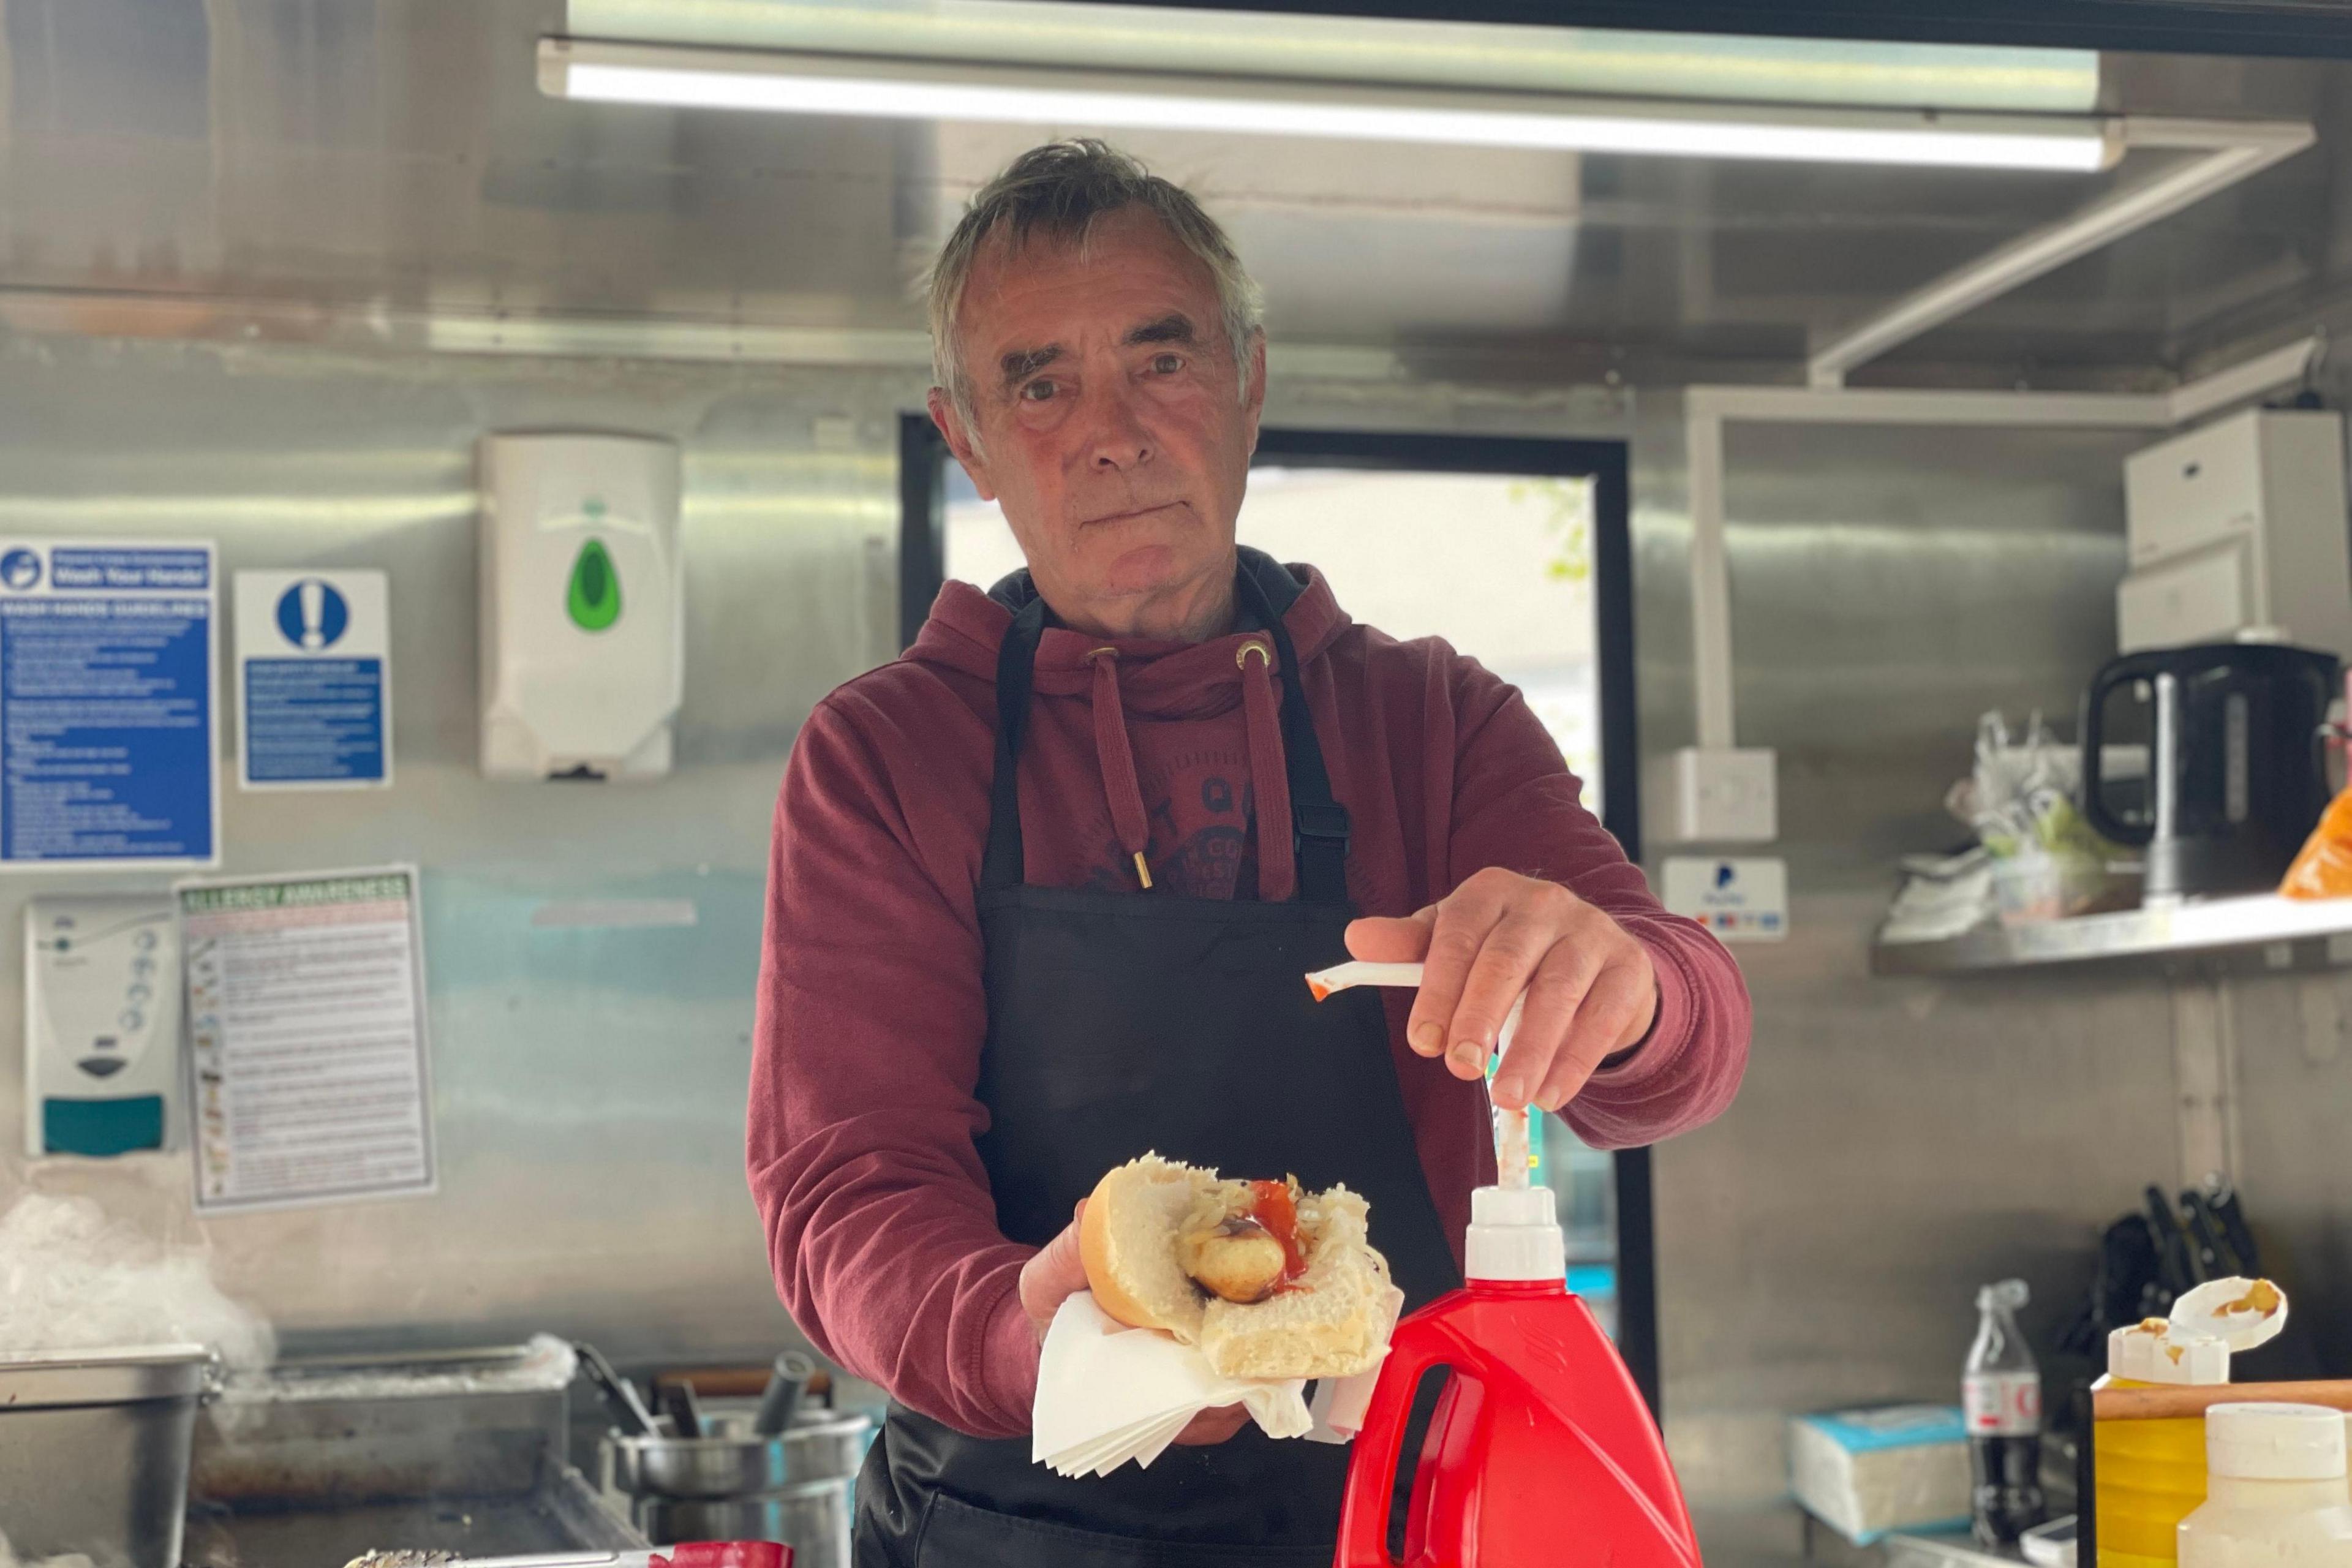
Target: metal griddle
x=458 y=1452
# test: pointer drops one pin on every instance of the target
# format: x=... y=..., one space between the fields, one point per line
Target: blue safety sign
x=108 y=752
x=313 y=680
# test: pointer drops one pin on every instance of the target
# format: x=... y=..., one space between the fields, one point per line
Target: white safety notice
x=310 y=1080
x=313 y=680
x=1740 y=900
x=107 y=753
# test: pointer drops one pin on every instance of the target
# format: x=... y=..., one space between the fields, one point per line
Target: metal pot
x=822 y=1445
x=94 y=1451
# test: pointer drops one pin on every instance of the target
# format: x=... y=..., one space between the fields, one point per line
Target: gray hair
x=1058 y=191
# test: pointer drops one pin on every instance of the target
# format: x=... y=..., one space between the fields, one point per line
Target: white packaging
x=2207 y=1325
x=2273 y=1492
x=1867 y=1472
x=2157 y=1352
x=1107 y=1393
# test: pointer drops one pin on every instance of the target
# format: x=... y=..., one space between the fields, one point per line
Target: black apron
x=1119 y=1023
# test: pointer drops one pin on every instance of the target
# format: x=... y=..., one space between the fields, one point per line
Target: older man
x=1042 y=890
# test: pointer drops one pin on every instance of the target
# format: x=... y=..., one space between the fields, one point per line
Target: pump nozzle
x=1514 y=1130
x=1513 y=1151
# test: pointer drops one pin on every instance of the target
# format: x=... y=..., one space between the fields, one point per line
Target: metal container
x=318 y=1461
x=358 y=1428
x=94 y=1451
x=822 y=1445
x=812 y=1518
x=731 y=1484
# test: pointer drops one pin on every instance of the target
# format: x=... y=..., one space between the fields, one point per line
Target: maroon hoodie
x=880 y=1227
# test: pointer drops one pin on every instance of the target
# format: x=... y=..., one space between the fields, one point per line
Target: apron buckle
x=1320 y=823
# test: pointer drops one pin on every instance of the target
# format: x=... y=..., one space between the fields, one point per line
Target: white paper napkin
x=1107 y=1393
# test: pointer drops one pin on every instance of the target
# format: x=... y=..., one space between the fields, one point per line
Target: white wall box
x=2240 y=528
x=582 y=606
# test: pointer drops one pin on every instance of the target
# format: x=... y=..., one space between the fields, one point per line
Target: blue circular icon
x=21 y=569
x=312 y=614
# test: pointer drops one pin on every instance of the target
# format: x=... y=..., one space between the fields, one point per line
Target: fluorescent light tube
x=925 y=89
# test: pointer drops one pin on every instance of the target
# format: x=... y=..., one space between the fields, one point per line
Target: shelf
x=2262 y=934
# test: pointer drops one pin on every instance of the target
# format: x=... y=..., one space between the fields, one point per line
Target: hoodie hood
x=1156 y=680
x=1160 y=678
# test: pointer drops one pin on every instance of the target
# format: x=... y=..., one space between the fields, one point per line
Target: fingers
x=1524 y=952
x=1054 y=1276
x=1213 y=1425
x=1382 y=938
x=1562 y=984
x=1455 y=937
x=1614 y=1014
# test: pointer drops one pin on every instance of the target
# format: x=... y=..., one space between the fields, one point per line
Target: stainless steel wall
x=1897 y=1141
x=589 y=1083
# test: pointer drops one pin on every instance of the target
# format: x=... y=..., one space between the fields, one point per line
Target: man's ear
x=1254 y=405
x=958 y=440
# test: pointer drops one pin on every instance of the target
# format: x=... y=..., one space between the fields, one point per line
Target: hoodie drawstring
x=1116 y=752
x=1277 y=869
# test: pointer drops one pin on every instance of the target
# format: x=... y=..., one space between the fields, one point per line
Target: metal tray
x=561 y=1513
x=319 y=1462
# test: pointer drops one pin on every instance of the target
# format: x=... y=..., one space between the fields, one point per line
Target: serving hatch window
x=1500 y=565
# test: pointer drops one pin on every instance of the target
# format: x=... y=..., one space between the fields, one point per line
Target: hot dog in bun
x=1268 y=1280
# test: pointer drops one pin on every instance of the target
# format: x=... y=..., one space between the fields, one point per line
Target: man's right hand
x=1054 y=1276
x=1059 y=1273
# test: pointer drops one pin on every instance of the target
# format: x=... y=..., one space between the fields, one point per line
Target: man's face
x=1110 y=424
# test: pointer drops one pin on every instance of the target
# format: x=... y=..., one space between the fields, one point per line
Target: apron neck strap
x=1016 y=655
x=1318 y=823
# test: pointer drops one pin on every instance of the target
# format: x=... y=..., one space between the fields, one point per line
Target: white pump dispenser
x=1515 y=1231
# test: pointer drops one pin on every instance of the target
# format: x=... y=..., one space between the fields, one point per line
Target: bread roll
x=1150 y=1217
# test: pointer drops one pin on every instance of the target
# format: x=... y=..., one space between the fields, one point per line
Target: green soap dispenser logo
x=594 y=597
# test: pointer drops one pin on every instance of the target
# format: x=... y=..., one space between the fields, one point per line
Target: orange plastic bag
x=2323 y=868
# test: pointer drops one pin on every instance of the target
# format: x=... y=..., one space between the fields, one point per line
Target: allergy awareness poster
x=310 y=1080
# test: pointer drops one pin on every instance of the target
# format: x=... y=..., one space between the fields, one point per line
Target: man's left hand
x=1590 y=988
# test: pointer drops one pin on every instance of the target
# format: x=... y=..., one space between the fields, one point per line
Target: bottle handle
x=1371 y=1475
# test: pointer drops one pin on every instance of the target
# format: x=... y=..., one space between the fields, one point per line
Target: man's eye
x=1037 y=392
x=1167 y=364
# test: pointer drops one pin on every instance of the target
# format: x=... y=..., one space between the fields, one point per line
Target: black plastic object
x=2249 y=777
x=2176 y=1254
x=786 y=1383
x=2214 y=1254
x=620 y=1394
x=678 y=1403
x=2223 y=1200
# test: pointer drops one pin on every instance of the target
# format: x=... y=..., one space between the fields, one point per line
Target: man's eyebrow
x=1023 y=364
x=1173 y=327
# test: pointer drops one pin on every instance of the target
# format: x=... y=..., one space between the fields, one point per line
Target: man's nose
x=1118 y=440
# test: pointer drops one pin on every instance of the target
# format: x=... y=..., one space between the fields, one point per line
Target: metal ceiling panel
x=365 y=169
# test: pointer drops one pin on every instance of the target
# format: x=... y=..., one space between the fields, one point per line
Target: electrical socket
x=1708 y=796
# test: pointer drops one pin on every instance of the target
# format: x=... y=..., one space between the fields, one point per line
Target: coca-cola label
x=2002 y=1404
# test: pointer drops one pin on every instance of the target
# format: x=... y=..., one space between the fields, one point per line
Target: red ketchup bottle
x=1541 y=1451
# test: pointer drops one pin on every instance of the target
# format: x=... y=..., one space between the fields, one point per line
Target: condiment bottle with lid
x=2276 y=1491
x=1540 y=1451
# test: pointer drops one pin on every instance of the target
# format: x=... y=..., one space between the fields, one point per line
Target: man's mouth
x=1131 y=513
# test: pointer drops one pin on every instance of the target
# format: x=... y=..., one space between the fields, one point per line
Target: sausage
x=1237 y=1259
